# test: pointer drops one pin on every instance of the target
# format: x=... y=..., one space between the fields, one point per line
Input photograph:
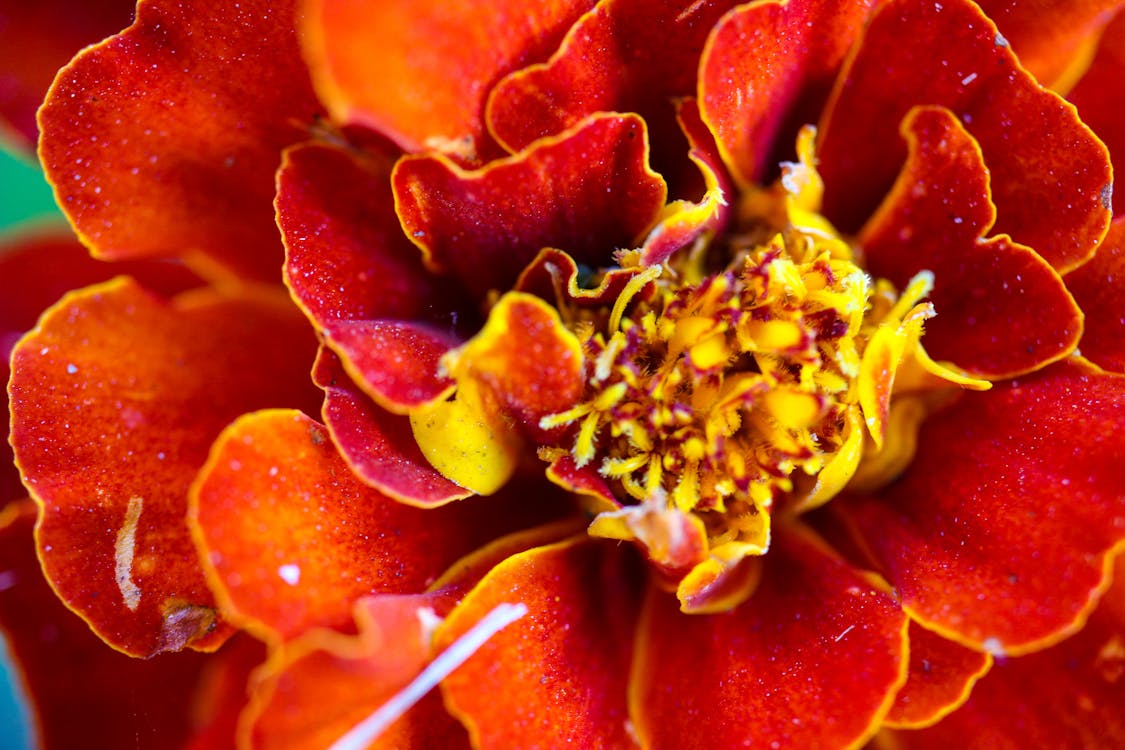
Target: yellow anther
x=619 y=467
x=584 y=444
x=689 y=331
x=635 y=285
x=610 y=397
x=793 y=409
x=772 y=335
x=686 y=495
x=711 y=352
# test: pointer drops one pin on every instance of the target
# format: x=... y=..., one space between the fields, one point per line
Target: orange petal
x=1099 y=289
x=420 y=72
x=588 y=191
x=1069 y=695
x=291 y=538
x=942 y=673
x=164 y=139
x=999 y=534
x=557 y=676
x=36 y=39
x=83 y=693
x=116 y=397
x=934 y=219
x=767 y=69
x=813 y=658
x=1049 y=174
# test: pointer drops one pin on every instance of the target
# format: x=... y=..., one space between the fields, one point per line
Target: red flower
x=831 y=394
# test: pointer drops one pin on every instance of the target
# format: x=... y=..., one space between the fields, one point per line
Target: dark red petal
x=1069 y=695
x=378 y=446
x=588 y=192
x=1099 y=289
x=84 y=694
x=1049 y=35
x=999 y=534
x=39 y=268
x=419 y=72
x=813 y=658
x=1050 y=176
x=934 y=219
x=164 y=139
x=557 y=676
x=942 y=673
x=36 y=39
x=767 y=70
x=291 y=538
x=1100 y=98
x=116 y=397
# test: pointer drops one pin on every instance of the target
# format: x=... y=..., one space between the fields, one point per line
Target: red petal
x=378 y=446
x=1048 y=35
x=116 y=397
x=813 y=658
x=998 y=536
x=164 y=139
x=767 y=69
x=38 y=269
x=1069 y=695
x=36 y=39
x=1099 y=289
x=942 y=673
x=84 y=693
x=588 y=192
x=557 y=676
x=1100 y=98
x=420 y=72
x=292 y=538
x=934 y=219
x=1036 y=148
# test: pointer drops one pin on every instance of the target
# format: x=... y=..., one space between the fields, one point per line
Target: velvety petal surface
x=291 y=538
x=1036 y=148
x=379 y=446
x=116 y=396
x=85 y=694
x=812 y=658
x=567 y=660
x=419 y=72
x=1000 y=532
x=36 y=39
x=1099 y=289
x=1069 y=695
x=767 y=69
x=934 y=219
x=164 y=139
x=588 y=191
x=942 y=673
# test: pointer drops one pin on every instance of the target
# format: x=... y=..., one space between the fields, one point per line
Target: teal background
x=24 y=198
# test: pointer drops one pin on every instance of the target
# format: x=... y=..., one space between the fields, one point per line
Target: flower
x=681 y=352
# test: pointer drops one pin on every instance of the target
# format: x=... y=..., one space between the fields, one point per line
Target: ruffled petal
x=372 y=62
x=116 y=397
x=1099 y=289
x=999 y=534
x=36 y=39
x=565 y=663
x=291 y=538
x=83 y=693
x=812 y=658
x=934 y=219
x=767 y=69
x=1036 y=148
x=164 y=139
x=379 y=446
x=942 y=673
x=1069 y=695
x=588 y=191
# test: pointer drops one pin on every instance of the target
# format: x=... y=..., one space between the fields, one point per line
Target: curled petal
x=1099 y=289
x=162 y=141
x=588 y=191
x=934 y=219
x=116 y=397
x=1033 y=142
x=1007 y=483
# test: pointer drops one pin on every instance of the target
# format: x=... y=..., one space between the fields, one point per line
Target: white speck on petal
x=291 y=574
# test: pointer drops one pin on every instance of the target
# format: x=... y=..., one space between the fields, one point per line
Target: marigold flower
x=689 y=374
